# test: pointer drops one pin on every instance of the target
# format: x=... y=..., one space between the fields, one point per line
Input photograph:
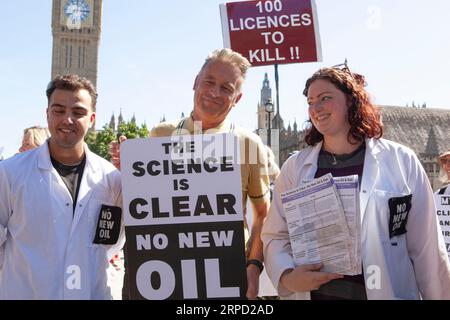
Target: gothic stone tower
x=263 y=120
x=76 y=26
x=266 y=94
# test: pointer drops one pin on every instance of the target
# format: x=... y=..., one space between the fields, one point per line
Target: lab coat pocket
x=392 y=210
x=400 y=268
x=392 y=231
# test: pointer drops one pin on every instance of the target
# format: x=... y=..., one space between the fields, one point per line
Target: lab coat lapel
x=370 y=173
x=310 y=164
x=57 y=187
x=90 y=178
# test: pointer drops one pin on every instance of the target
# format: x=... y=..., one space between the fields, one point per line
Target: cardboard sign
x=183 y=217
x=270 y=32
x=443 y=211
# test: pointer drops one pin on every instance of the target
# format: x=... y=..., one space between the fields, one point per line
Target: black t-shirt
x=341 y=165
x=349 y=287
x=71 y=175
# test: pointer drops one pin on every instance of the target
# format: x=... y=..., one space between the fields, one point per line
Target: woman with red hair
x=344 y=138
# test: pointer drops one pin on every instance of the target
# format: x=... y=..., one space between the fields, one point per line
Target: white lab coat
x=416 y=267
x=46 y=251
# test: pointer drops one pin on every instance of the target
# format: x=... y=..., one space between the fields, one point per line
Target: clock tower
x=76 y=26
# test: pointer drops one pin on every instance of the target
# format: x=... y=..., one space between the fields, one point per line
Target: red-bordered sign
x=272 y=31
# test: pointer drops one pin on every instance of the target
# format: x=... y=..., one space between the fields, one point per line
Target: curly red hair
x=363 y=116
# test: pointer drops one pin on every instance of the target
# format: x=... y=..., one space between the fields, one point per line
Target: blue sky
x=150 y=52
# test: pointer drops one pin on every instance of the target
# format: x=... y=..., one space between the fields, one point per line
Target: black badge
x=398 y=215
x=445 y=201
x=108 y=225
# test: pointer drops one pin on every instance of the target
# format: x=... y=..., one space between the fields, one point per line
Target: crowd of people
x=54 y=192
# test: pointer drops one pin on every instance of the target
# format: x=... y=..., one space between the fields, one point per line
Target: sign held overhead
x=272 y=31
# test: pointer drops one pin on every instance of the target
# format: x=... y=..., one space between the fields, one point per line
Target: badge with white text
x=398 y=214
x=108 y=225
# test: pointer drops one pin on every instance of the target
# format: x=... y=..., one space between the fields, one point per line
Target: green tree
x=132 y=131
x=98 y=141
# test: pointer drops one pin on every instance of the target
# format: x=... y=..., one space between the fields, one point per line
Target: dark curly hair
x=72 y=82
x=363 y=116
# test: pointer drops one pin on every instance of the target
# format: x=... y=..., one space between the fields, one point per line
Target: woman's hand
x=307 y=277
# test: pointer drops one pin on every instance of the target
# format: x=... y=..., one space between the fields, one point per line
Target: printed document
x=348 y=189
x=317 y=225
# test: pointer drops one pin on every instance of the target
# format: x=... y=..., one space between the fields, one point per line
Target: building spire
x=266 y=83
x=120 y=118
x=266 y=91
x=432 y=145
x=112 y=122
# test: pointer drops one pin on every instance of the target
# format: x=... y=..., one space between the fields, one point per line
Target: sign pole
x=272 y=32
x=278 y=103
x=278 y=96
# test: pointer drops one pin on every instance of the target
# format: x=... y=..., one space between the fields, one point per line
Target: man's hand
x=114 y=151
x=307 y=277
x=252 y=281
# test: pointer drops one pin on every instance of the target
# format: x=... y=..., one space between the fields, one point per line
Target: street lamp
x=269 y=110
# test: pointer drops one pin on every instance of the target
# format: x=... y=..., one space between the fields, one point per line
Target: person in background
x=344 y=138
x=444 y=172
x=217 y=90
x=54 y=200
x=33 y=137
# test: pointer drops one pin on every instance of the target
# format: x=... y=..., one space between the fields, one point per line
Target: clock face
x=77 y=10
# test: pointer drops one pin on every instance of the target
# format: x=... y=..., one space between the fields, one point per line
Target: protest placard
x=183 y=216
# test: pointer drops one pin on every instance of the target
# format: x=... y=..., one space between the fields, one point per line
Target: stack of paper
x=348 y=189
x=324 y=223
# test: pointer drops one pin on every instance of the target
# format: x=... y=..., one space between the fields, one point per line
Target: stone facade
x=425 y=130
x=76 y=27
